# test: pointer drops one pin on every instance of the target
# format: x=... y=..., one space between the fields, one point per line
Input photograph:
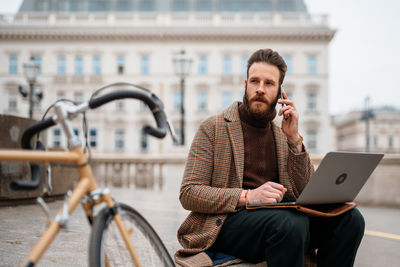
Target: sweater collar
x=247 y=117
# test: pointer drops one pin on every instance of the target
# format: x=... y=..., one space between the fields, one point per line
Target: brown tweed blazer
x=213 y=177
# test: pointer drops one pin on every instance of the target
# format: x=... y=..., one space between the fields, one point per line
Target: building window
x=286 y=6
x=203 y=65
x=202 y=100
x=229 y=5
x=96 y=65
x=311 y=101
x=73 y=5
x=243 y=65
x=312 y=139
x=56 y=137
x=12 y=101
x=62 y=6
x=226 y=99
x=146 y=5
x=93 y=138
x=13 y=65
x=143 y=141
x=144 y=65
x=177 y=100
x=227 y=65
x=120 y=105
x=119 y=140
x=180 y=5
x=78 y=65
x=98 y=5
x=76 y=132
x=78 y=97
x=390 y=141
x=123 y=5
x=38 y=61
x=203 y=5
x=120 y=65
x=61 y=65
x=288 y=61
x=41 y=5
x=312 y=64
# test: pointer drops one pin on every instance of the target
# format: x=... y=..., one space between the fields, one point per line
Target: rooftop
x=163 y=6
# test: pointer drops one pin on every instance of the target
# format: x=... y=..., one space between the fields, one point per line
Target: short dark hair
x=271 y=57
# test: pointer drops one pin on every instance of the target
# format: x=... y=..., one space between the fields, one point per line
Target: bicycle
x=119 y=234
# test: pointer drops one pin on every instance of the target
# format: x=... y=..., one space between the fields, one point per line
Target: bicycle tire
x=105 y=239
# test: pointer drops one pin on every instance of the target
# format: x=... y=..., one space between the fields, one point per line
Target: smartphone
x=283 y=105
x=281 y=96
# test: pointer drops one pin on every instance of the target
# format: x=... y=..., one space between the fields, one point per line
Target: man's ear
x=245 y=84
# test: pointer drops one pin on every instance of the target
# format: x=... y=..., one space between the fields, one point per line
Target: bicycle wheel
x=107 y=247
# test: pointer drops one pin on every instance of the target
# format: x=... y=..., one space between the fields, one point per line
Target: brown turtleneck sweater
x=260 y=162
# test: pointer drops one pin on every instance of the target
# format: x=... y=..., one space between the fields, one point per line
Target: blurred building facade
x=83 y=45
x=383 y=134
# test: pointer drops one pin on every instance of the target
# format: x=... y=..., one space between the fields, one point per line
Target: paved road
x=20 y=227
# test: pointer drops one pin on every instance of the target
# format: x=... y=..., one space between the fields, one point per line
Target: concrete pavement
x=20 y=227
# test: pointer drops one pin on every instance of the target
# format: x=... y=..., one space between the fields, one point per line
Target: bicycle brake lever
x=44 y=207
x=49 y=185
x=172 y=131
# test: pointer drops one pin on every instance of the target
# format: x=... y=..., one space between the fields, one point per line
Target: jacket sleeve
x=300 y=170
x=196 y=193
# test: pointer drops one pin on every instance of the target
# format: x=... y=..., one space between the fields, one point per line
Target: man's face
x=262 y=89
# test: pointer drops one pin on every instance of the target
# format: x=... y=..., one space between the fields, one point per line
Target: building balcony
x=193 y=19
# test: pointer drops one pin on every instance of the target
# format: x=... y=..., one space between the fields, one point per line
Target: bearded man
x=241 y=156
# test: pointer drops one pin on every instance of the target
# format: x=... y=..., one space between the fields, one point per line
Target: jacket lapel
x=231 y=116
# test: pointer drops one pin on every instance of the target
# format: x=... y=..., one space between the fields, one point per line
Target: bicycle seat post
x=62 y=118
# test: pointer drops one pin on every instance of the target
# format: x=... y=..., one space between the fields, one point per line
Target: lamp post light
x=31 y=71
x=366 y=116
x=181 y=68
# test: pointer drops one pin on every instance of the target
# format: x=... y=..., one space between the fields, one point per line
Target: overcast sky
x=364 y=54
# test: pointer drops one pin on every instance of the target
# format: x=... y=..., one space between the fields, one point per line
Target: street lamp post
x=31 y=71
x=182 y=66
x=367 y=115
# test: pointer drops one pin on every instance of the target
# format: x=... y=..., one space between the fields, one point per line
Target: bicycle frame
x=85 y=186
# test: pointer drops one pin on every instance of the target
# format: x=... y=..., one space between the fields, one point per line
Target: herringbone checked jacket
x=213 y=177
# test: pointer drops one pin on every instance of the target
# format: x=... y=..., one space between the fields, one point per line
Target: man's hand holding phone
x=290 y=122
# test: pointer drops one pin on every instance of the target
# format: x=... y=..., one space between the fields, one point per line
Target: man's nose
x=260 y=89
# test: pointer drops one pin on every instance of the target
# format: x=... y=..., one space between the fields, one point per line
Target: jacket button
x=218 y=222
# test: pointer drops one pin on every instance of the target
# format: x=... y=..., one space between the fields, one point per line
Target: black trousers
x=283 y=236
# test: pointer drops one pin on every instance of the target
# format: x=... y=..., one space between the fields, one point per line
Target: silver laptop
x=338 y=179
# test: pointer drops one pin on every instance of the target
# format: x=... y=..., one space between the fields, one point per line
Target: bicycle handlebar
x=34 y=129
x=151 y=100
x=154 y=103
x=26 y=144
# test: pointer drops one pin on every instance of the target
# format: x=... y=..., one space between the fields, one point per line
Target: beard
x=258 y=111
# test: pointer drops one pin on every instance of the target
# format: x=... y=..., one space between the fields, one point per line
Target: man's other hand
x=269 y=192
